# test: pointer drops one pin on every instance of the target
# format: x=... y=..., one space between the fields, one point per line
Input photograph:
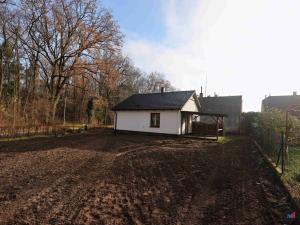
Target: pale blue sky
x=138 y=18
x=247 y=47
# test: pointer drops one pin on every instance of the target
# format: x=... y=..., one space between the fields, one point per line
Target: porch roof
x=208 y=114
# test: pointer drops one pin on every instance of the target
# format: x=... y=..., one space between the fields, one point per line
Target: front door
x=185 y=123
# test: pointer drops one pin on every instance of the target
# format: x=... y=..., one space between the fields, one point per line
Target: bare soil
x=100 y=178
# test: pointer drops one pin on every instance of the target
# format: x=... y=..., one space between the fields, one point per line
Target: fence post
x=286 y=135
x=282 y=151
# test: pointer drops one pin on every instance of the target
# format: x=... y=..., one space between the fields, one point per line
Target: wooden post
x=286 y=135
x=217 y=127
x=283 y=154
x=281 y=148
x=223 y=132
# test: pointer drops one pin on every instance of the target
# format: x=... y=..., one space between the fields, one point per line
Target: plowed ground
x=100 y=178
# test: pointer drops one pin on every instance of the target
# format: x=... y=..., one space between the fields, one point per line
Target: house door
x=186 y=123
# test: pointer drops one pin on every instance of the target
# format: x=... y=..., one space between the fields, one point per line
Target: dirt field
x=99 y=178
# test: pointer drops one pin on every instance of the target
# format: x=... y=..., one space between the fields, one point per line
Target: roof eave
x=146 y=109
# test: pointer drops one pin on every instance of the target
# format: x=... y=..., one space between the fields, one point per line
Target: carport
x=207 y=130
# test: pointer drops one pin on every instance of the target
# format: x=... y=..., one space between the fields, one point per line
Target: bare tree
x=154 y=81
x=56 y=55
x=65 y=33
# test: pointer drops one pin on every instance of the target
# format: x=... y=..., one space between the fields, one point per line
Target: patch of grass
x=224 y=140
x=292 y=171
x=297 y=177
x=24 y=138
x=291 y=174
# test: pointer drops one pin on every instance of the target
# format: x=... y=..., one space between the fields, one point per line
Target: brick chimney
x=201 y=93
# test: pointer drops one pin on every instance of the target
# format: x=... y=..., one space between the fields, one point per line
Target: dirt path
x=100 y=178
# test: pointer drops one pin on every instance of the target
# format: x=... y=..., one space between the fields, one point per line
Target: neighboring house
x=164 y=112
x=281 y=103
x=229 y=105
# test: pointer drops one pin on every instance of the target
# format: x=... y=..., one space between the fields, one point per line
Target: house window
x=155 y=120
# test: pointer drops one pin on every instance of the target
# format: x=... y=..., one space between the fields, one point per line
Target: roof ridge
x=166 y=100
x=163 y=92
x=283 y=96
x=224 y=96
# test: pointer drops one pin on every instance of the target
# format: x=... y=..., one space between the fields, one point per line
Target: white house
x=164 y=112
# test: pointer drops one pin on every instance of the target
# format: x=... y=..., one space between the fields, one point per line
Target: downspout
x=217 y=127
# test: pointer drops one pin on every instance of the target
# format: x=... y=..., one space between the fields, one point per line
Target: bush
x=273 y=120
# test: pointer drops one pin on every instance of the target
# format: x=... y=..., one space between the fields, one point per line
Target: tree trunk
x=1 y=73
x=65 y=107
x=105 y=116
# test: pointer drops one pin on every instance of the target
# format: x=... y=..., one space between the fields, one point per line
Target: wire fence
x=279 y=141
x=34 y=130
x=293 y=154
x=272 y=143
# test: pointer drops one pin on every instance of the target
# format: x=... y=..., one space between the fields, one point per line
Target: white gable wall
x=190 y=105
x=140 y=121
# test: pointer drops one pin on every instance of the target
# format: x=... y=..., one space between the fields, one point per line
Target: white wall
x=140 y=121
x=190 y=105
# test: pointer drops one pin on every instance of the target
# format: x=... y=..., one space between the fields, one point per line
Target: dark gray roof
x=155 y=101
x=280 y=102
x=221 y=104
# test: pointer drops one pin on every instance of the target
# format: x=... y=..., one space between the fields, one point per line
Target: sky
x=231 y=47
